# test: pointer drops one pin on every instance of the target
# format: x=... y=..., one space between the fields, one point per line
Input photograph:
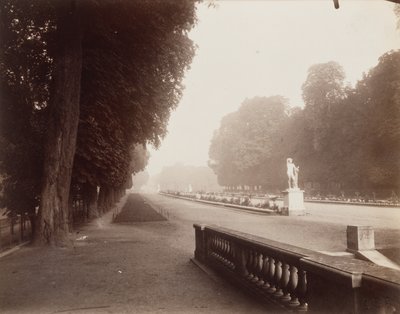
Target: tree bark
x=32 y=220
x=101 y=205
x=121 y=193
x=91 y=200
x=70 y=212
x=109 y=198
x=52 y=227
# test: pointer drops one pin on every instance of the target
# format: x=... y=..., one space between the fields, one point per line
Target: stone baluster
x=241 y=258
x=271 y=275
x=249 y=265
x=292 y=286
x=212 y=246
x=222 y=251
x=229 y=253
x=254 y=266
x=260 y=270
x=223 y=248
x=285 y=281
x=265 y=272
x=256 y=261
x=302 y=290
x=218 y=245
x=277 y=279
x=209 y=248
x=213 y=242
x=226 y=252
x=234 y=255
x=228 y=257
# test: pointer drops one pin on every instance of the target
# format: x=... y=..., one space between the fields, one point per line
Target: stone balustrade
x=296 y=279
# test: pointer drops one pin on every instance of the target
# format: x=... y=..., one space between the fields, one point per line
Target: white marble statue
x=293 y=174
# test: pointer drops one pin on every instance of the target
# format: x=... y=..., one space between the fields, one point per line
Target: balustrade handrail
x=296 y=278
x=260 y=242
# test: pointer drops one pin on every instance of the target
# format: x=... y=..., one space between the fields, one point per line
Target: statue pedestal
x=293 y=202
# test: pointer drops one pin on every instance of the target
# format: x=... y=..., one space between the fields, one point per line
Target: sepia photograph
x=199 y=156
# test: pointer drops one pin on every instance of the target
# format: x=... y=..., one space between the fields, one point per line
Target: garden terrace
x=294 y=278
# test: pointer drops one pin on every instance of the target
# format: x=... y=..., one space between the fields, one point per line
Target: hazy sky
x=263 y=48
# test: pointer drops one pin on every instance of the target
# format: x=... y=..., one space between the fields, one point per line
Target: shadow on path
x=117 y=268
x=137 y=210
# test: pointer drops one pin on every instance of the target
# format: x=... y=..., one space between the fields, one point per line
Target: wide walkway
x=124 y=267
x=323 y=228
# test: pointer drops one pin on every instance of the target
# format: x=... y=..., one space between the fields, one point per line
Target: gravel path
x=128 y=267
x=141 y=264
x=322 y=229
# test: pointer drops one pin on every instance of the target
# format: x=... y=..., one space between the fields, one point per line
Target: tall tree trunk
x=32 y=220
x=101 y=203
x=91 y=200
x=121 y=193
x=129 y=182
x=71 y=212
x=52 y=227
x=109 y=198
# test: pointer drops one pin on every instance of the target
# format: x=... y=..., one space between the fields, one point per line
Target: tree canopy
x=87 y=84
x=25 y=73
x=344 y=139
x=245 y=140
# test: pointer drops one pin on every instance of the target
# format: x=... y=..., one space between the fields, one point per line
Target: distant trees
x=323 y=91
x=245 y=141
x=86 y=86
x=178 y=177
x=345 y=139
x=323 y=88
x=378 y=95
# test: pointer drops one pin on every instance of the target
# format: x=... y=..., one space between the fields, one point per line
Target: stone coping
x=307 y=200
x=348 y=271
x=248 y=208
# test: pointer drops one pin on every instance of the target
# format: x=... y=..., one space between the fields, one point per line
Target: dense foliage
x=245 y=140
x=25 y=73
x=127 y=63
x=345 y=139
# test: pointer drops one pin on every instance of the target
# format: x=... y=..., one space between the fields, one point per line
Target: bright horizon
x=264 y=48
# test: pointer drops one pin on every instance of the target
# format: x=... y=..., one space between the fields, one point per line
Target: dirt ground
x=139 y=265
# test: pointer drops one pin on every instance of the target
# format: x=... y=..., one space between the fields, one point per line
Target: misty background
x=239 y=57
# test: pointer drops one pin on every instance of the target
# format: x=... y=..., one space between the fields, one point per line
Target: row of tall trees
x=85 y=86
x=344 y=139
